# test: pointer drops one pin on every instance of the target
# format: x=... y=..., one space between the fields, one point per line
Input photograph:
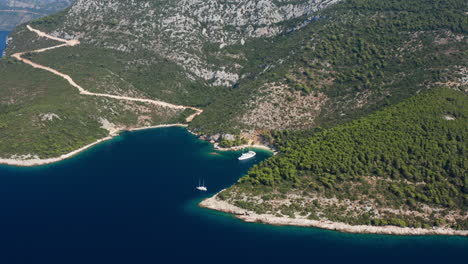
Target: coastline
x=248 y=216
x=257 y=146
x=31 y=162
x=38 y=162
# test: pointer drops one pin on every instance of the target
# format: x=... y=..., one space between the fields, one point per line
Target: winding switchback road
x=73 y=42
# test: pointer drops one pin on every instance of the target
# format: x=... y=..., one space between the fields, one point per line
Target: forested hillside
x=365 y=99
x=356 y=57
x=145 y=49
x=405 y=165
x=270 y=66
x=43 y=116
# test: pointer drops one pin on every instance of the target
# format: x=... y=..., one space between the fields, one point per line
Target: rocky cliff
x=182 y=30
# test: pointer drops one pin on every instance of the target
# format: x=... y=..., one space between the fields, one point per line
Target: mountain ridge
x=295 y=80
x=179 y=30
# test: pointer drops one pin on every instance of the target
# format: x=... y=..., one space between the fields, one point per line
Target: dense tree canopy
x=418 y=148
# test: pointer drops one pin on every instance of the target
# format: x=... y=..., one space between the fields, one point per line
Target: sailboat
x=202 y=187
x=247 y=155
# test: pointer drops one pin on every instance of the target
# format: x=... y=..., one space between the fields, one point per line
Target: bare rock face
x=180 y=30
x=279 y=107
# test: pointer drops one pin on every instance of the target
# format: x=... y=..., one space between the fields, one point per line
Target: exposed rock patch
x=278 y=108
x=180 y=29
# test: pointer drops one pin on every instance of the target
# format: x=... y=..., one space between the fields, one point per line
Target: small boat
x=201 y=187
x=247 y=155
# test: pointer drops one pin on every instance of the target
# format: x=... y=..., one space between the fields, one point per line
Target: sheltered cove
x=213 y=202
x=28 y=161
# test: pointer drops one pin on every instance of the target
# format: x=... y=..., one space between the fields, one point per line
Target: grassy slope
x=145 y=73
x=406 y=157
x=361 y=54
x=25 y=40
x=28 y=94
x=377 y=53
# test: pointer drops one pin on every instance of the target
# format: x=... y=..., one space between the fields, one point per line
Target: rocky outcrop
x=278 y=107
x=181 y=30
x=217 y=204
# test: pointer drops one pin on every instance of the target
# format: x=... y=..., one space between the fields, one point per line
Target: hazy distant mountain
x=13 y=12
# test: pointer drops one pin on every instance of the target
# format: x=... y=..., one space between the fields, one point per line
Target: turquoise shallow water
x=132 y=200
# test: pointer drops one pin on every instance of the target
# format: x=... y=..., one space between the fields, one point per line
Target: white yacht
x=247 y=155
x=201 y=187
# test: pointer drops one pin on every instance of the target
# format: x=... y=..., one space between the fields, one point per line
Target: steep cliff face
x=13 y=12
x=182 y=30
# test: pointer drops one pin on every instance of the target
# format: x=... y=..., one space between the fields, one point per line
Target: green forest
x=418 y=148
x=391 y=132
x=386 y=50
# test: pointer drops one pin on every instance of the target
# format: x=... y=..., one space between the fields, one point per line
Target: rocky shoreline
x=235 y=148
x=248 y=216
x=30 y=160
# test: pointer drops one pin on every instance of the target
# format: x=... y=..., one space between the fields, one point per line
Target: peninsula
x=364 y=102
x=27 y=160
x=251 y=216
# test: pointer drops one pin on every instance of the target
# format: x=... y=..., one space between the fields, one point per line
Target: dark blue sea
x=133 y=200
x=3 y=37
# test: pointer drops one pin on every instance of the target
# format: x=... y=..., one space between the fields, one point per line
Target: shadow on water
x=133 y=200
